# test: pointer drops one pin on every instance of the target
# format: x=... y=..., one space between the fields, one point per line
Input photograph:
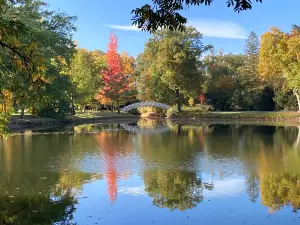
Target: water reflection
x=36 y=210
x=45 y=178
x=175 y=189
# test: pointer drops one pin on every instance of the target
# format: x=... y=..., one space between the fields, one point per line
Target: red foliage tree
x=201 y=98
x=116 y=81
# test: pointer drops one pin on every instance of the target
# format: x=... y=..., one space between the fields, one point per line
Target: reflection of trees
x=36 y=210
x=149 y=123
x=33 y=200
x=252 y=186
x=264 y=152
x=95 y=128
x=37 y=184
x=175 y=148
x=169 y=156
x=280 y=189
x=174 y=189
x=40 y=198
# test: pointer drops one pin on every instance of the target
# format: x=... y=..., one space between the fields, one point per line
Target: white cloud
x=219 y=29
x=230 y=187
x=121 y=27
x=209 y=28
x=139 y=190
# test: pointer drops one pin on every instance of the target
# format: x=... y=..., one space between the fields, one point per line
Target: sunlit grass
x=187 y=113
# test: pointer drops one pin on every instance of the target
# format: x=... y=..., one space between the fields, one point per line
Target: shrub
x=191 y=102
x=172 y=111
x=197 y=108
x=4 y=120
x=151 y=109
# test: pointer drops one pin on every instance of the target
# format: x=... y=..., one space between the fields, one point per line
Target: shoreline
x=249 y=122
x=44 y=123
x=250 y=118
x=183 y=118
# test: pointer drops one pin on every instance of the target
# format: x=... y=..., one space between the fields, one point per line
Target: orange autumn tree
x=117 y=78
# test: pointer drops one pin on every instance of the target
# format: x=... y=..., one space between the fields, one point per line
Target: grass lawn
x=251 y=115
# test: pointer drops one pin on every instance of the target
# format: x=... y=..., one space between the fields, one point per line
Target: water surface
x=151 y=173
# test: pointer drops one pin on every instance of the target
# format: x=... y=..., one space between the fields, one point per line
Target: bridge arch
x=145 y=104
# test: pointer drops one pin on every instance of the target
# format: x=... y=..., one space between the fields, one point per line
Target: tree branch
x=25 y=58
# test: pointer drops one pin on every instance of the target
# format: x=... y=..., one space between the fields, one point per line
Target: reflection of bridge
x=140 y=130
x=145 y=104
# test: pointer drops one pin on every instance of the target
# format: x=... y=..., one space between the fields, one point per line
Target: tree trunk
x=298 y=98
x=178 y=100
x=112 y=106
x=22 y=113
x=118 y=105
x=15 y=105
x=72 y=105
x=178 y=129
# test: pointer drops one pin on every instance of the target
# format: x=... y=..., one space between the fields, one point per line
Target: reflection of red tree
x=111 y=179
x=111 y=142
x=105 y=140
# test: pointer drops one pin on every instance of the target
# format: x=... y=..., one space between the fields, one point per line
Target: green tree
x=36 y=44
x=149 y=85
x=221 y=79
x=176 y=57
x=250 y=81
x=165 y=13
x=85 y=72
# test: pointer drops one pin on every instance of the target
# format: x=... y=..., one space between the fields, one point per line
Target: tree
x=254 y=93
x=175 y=57
x=251 y=84
x=222 y=79
x=85 y=72
x=149 y=85
x=36 y=44
x=165 y=13
x=117 y=78
x=279 y=59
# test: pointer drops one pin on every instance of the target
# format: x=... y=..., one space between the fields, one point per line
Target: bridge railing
x=145 y=104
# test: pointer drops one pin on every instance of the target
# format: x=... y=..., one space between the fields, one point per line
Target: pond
x=151 y=173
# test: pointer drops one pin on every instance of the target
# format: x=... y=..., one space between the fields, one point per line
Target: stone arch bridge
x=145 y=104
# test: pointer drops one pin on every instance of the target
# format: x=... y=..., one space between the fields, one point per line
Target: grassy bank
x=88 y=117
x=190 y=115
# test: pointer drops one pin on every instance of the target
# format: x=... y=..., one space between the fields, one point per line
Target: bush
x=200 y=108
x=197 y=108
x=151 y=109
x=4 y=120
x=285 y=101
x=172 y=111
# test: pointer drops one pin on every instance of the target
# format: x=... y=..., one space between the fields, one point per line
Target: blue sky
x=221 y=27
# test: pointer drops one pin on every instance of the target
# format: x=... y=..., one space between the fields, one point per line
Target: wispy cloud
x=227 y=188
x=139 y=190
x=121 y=27
x=219 y=29
x=209 y=28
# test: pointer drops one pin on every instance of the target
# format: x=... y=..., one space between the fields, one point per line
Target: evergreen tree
x=249 y=75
